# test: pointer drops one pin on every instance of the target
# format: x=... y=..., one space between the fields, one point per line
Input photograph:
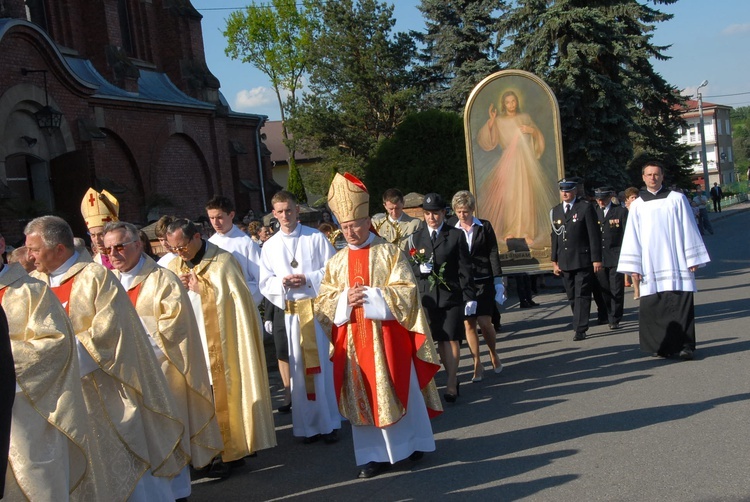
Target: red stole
x=2 y=293
x=133 y=293
x=62 y=292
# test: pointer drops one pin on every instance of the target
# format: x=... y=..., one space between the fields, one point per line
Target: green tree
x=360 y=85
x=595 y=57
x=427 y=153
x=459 y=49
x=277 y=40
x=740 y=119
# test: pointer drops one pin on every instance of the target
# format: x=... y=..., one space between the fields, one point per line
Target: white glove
x=268 y=326
x=425 y=268
x=470 y=308
x=500 y=293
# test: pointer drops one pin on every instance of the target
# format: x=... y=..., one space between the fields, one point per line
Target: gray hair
x=464 y=198
x=130 y=229
x=52 y=229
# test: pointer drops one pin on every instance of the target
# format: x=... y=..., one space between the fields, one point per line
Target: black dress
x=444 y=303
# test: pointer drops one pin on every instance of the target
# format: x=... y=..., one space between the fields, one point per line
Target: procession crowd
x=136 y=373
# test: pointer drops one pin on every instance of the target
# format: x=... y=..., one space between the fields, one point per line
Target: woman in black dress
x=486 y=274
x=442 y=265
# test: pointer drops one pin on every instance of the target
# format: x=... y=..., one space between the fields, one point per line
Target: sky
x=709 y=41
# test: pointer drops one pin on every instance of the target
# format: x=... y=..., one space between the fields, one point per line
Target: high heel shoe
x=479 y=377
x=451 y=398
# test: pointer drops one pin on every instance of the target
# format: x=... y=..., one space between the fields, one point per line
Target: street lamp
x=47 y=118
x=703 y=138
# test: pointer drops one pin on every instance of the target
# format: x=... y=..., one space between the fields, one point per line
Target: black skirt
x=446 y=324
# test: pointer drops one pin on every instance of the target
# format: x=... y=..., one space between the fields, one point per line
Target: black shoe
x=614 y=325
x=287 y=408
x=580 y=335
x=311 y=439
x=417 y=455
x=533 y=303
x=216 y=469
x=525 y=305
x=331 y=437
x=686 y=354
x=372 y=469
x=234 y=464
x=450 y=398
x=602 y=321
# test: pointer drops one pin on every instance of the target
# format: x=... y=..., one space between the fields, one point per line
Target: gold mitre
x=98 y=209
x=348 y=198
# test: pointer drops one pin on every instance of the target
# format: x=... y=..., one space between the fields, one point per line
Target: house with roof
x=117 y=95
x=718 y=136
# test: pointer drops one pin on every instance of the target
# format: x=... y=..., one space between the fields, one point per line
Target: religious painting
x=514 y=150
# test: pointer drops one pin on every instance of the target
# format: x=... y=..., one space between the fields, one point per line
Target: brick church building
x=116 y=95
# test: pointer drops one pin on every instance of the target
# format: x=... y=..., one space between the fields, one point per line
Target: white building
x=718 y=130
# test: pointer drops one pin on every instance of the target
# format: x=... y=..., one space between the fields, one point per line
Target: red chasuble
x=62 y=292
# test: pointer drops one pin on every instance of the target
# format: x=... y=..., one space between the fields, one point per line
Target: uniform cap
x=433 y=202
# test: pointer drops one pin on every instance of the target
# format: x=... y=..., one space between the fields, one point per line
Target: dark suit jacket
x=580 y=244
x=451 y=249
x=7 y=395
x=612 y=229
x=485 y=259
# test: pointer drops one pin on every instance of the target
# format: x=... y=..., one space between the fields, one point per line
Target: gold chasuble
x=131 y=408
x=163 y=305
x=49 y=446
x=372 y=359
x=236 y=354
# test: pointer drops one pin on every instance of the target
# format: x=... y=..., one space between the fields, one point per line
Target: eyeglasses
x=117 y=248
x=178 y=249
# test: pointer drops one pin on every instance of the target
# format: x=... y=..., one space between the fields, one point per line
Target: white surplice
x=311 y=250
x=247 y=253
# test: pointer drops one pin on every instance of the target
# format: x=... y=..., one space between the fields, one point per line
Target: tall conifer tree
x=459 y=50
x=595 y=56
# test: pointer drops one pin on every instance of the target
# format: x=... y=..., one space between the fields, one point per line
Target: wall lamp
x=47 y=118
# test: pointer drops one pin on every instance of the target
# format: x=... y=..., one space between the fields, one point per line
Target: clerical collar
x=127 y=277
x=65 y=266
x=364 y=244
x=654 y=193
x=195 y=260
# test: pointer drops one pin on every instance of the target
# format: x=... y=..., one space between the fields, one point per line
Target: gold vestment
x=237 y=356
x=164 y=307
x=390 y=271
x=132 y=409
x=46 y=364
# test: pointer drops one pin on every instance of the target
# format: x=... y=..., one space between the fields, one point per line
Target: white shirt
x=247 y=253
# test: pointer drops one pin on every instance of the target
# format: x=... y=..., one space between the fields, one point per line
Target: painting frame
x=515 y=160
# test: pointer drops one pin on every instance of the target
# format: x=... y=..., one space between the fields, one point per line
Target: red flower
x=412 y=251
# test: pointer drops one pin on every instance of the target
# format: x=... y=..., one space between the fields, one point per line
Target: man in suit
x=612 y=219
x=442 y=265
x=716 y=197
x=576 y=252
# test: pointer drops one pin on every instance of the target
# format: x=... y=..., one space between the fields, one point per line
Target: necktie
x=433 y=236
x=567 y=208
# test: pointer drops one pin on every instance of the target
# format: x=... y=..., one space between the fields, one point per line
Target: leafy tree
x=427 y=153
x=360 y=85
x=294 y=184
x=276 y=40
x=459 y=49
x=595 y=57
x=740 y=119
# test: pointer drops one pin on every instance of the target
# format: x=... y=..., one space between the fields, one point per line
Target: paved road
x=565 y=421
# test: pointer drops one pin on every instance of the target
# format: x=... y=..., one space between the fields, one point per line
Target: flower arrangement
x=419 y=258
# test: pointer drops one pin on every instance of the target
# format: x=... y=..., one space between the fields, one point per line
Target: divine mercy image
x=515 y=160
